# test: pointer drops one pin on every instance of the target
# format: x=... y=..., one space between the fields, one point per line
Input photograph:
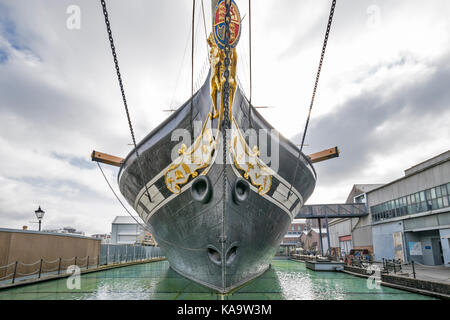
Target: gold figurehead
x=217 y=61
x=198 y=159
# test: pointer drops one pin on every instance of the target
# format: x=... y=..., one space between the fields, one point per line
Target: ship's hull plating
x=222 y=243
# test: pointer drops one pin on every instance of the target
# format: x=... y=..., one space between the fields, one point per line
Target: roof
x=316 y=230
x=47 y=233
x=361 y=188
x=443 y=157
x=125 y=220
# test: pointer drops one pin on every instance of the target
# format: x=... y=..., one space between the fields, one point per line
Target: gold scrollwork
x=254 y=169
x=192 y=159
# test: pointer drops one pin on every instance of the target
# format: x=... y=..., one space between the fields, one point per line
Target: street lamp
x=39 y=215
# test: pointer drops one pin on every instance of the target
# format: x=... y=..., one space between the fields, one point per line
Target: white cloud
x=59 y=97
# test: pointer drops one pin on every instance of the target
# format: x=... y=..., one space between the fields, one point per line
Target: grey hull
x=223 y=243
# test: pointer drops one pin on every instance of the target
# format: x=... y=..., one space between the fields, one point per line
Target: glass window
x=433 y=193
x=396 y=203
x=444 y=190
x=417 y=195
x=422 y=196
x=434 y=204
x=445 y=201
x=421 y=206
x=428 y=194
x=438 y=192
x=440 y=203
x=429 y=205
x=412 y=199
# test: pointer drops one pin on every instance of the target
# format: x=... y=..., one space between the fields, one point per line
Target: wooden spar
x=106 y=158
x=324 y=155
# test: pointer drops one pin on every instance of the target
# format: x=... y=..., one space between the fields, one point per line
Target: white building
x=125 y=230
x=411 y=215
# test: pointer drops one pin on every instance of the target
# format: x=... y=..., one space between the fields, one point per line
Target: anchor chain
x=226 y=94
x=316 y=84
x=225 y=124
x=122 y=90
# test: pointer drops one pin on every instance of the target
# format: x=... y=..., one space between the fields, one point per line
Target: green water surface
x=284 y=280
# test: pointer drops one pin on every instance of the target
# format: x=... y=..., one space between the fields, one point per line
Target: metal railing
x=20 y=271
x=344 y=210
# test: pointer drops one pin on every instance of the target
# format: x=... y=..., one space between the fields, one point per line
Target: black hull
x=224 y=243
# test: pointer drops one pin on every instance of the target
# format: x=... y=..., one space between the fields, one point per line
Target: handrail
x=86 y=262
x=8 y=265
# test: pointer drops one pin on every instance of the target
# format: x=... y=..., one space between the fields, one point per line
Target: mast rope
x=204 y=25
x=134 y=218
x=322 y=56
x=122 y=90
x=118 y=199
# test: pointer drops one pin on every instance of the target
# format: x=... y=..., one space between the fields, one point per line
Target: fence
x=116 y=253
x=109 y=254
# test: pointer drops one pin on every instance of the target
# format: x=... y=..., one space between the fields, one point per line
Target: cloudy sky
x=384 y=95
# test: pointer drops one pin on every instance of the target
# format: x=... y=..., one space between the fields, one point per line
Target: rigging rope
x=204 y=26
x=122 y=90
x=145 y=227
x=322 y=56
x=118 y=199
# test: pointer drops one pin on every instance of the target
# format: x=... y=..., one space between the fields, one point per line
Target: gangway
x=325 y=211
x=346 y=210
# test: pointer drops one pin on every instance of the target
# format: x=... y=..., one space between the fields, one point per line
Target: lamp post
x=39 y=215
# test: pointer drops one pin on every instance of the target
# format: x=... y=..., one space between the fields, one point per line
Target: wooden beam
x=324 y=155
x=106 y=158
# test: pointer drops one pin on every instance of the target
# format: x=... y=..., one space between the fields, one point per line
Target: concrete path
x=424 y=272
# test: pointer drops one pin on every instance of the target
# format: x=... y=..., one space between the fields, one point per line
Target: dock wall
x=28 y=247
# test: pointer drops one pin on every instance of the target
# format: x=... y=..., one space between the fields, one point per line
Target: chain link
x=226 y=94
x=316 y=84
x=225 y=124
x=122 y=90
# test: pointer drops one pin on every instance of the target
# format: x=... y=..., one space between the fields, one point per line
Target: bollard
x=40 y=269
x=14 y=274
x=414 y=269
x=59 y=266
x=87 y=263
x=98 y=261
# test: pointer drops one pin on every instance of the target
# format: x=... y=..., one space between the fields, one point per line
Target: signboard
x=219 y=25
x=415 y=248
